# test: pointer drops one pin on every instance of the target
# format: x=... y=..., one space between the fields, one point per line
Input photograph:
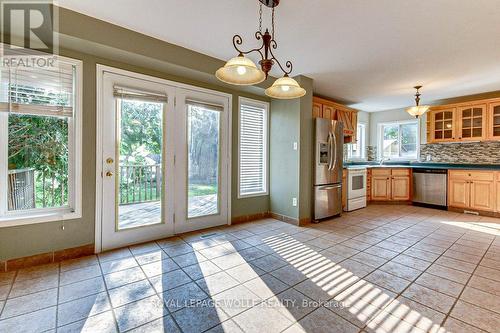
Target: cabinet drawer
x=498 y=180
x=482 y=175
x=378 y=172
x=400 y=172
x=459 y=174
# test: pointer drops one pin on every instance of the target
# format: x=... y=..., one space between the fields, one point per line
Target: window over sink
x=399 y=140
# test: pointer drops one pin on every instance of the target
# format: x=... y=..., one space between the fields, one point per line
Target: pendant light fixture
x=417 y=110
x=243 y=71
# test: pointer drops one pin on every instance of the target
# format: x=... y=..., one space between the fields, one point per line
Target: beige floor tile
x=130 y=293
x=189 y=259
x=431 y=298
x=323 y=320
x=79 y=274
x=183 y=296
x=380 y=252
x=289 y=275
x=7 y=278
x=415 y=314
x=138 y=313
x=490 y=286
x=169 y=280
x=37 y=272
x=265 y=286
x=270 y=320
x=159 y=267
x=25 y=287
x=457 y=326
x=82 y=308
x=456 y=264
x=269 y=263
x=490 y=263
x=449 y=273
x=440 y=284
x=228 y=326
x=229 y=261
x=124 y=277
x=118 y=265
x=164 y=324
x=144 y=248
x=4 y=291
x=114 y=254
x=486 y=272
x=421 y=254
x=473 y=259
x=482 y=299
x=29 y=303
x=201 y=270
x=387 y=281
x=81 y=289
x=199 y=318
x=369 y=259
x=236 y=300
x=216 y=283
x=67 y=265
x=37 y=321
x=476 y=316
x=146 y=258
x=400 y=270
x=412 y=262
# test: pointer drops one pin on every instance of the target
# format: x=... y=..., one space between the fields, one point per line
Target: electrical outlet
x=295 y=146
x=428 y=158
x=294 y=202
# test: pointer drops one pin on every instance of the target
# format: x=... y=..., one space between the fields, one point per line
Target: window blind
x=37 y=90
x=252 y=150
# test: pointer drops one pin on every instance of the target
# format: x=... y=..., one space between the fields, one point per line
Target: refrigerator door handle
x=330 y=151
x=330 y=187
x=334 y=151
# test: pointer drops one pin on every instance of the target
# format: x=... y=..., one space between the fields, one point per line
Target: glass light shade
x=240 y=71
x=417 y=111
x=285 y=88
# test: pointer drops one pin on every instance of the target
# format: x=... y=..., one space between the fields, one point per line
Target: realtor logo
x=28 y=25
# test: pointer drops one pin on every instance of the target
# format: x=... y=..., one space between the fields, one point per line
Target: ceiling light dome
x=417 y=110
x=240 y=71
x=285 y=88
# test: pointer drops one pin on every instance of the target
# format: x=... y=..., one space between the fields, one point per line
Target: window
x=399 y=140
x=40 y=135
x=253 y=128
x=357 y=151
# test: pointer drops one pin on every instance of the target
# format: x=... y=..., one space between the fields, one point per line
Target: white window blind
x=252 y=149
x=38 y=91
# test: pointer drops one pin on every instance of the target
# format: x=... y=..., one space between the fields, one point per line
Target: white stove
x=356 y=188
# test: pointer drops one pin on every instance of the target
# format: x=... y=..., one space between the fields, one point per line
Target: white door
x=164 y=160
x=137 y=160
x=201 y=160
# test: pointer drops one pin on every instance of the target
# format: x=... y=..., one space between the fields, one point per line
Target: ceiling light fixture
x=243 y=71
x=417 y=110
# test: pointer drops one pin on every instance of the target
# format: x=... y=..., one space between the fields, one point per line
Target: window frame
x=399 y=123
x=362 y=142
x=42 y=215
x=265 y=106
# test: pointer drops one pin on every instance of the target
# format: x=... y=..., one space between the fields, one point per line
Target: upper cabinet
x=323 y=108
x=470 y=121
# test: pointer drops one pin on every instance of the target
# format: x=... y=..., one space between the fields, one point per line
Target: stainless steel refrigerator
x=329 y=145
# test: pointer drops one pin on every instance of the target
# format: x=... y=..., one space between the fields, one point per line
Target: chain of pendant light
x=272 y=21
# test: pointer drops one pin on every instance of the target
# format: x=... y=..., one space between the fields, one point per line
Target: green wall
x=97 y=42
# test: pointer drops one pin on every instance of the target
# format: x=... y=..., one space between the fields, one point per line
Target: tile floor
x=380 y=269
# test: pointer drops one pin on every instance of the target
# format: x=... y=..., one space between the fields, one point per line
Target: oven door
x=356 y=184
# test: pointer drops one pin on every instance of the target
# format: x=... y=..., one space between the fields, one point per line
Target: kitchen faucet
x=382 y=160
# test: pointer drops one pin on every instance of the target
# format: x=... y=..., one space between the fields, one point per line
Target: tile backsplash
x=465 y=152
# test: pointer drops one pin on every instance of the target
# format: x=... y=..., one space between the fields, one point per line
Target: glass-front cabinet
x=472 y=122
x=442 y=125
x=494 y=120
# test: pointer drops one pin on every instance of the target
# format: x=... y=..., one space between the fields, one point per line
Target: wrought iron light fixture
x=242 y=71
x=417 y=110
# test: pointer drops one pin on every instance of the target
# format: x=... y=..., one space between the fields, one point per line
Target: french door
x=163 y=159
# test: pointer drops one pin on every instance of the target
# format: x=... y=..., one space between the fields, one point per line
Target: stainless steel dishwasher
x=430 y=187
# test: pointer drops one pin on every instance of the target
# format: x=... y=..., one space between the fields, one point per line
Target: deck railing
x=140 y=183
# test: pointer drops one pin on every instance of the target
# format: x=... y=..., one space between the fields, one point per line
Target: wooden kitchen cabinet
x=471 y=122
x=497 y=192
x=390 y=184
x=493 y=121
x=474 y=190
x=323 y=108
x=468 y=121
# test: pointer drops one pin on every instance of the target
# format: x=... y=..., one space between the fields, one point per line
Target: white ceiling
x=367 y=53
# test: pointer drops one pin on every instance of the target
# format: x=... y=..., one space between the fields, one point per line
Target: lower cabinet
x=497 y=192
x=344 y=189
x=390 y=184
x=475 y=190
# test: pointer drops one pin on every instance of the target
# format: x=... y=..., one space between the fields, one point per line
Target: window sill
x=253 y=195
x=13 y=220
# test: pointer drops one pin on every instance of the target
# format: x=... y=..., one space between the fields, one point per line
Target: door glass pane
x=409 y=140
x=139 y=181
x=466 y=113
x=203 y=160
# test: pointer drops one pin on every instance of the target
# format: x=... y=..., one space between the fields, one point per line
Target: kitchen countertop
x=421 y=165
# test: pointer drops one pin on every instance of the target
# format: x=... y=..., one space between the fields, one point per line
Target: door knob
x=109 y=160
x=109 y=174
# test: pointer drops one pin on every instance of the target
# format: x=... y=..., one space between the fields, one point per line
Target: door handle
x=334 y=149
x=327 y=188
x=329 y=151
x=109 y=174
